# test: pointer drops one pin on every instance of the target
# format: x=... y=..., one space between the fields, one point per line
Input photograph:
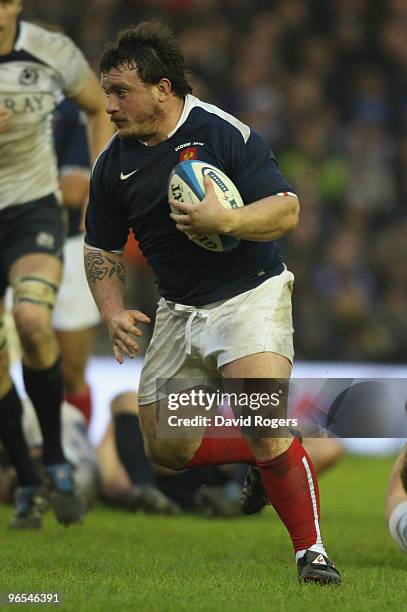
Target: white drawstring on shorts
x=201 y=314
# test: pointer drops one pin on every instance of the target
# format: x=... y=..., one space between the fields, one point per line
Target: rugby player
x=75 y=314
x=220 y=314
x=37 y=69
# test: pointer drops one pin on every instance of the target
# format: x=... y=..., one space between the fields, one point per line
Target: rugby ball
x=186 y=184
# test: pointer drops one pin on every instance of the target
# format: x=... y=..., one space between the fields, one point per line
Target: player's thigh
x=169 y=368
x=167 y=358
x=40 y=264
x=165 y=444
x=265 y=374
x=35 y=240
x=259 y=365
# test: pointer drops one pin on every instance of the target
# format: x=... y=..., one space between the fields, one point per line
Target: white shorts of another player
x=75 y=307
x=398 y=525
x=195 y=343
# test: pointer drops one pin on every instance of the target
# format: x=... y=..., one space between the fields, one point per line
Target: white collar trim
x=189 y=103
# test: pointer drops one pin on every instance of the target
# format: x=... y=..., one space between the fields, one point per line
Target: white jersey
x=42 y=69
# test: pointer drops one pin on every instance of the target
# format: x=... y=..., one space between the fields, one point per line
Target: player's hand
x=5 y=119
x=209 y=217
x=122 y=328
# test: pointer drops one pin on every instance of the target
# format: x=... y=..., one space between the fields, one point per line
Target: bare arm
x=74 y=187
x=267 y=219
x=106 y=277
x=92 y=100
x=264 y=220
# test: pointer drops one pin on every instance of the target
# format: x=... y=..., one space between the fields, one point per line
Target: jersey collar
x=189 y=103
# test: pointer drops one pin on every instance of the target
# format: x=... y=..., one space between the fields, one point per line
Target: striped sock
x=291 y=486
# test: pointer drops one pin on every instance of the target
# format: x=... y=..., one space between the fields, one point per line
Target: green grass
x=118 y=561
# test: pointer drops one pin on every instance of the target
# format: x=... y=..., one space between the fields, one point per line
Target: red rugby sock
x=219 y=448
x=291 y=486
x=82 y=401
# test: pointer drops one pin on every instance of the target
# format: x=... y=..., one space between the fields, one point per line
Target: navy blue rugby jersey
x=129 y=190
x=72 y=150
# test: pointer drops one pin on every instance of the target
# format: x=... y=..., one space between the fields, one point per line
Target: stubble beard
x=148 y=128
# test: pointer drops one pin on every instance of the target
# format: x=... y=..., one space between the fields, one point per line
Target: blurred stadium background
x=325 y=82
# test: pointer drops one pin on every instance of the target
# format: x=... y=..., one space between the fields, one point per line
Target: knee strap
x=35 y=289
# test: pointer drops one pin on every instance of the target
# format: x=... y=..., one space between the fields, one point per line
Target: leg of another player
x=35 y=279
x=115 y=482
x=396 y=501
x=76 y=346
x=11 y=410
x=129 y=441
x=324 y=452
x=128 y=475
x=29 y=503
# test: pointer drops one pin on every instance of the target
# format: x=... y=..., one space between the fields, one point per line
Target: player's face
x=132 y=105
x=9 y=10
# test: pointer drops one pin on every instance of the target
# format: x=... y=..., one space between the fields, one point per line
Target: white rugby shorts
x=75 y=307
x=194 y=343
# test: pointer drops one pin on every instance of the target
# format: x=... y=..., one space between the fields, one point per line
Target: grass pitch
x=119 y=561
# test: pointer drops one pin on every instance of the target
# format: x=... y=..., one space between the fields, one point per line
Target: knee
x=124 y=402
x=166 y=453
x=266 y=449
x=32 y=323
x=172 y=453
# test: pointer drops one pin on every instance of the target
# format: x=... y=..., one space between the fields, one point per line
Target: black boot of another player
x=253 y=498
x=68 y=505
x=316 y=567
x=30 y=505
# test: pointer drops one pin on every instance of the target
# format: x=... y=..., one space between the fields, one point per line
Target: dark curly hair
x=152 y=48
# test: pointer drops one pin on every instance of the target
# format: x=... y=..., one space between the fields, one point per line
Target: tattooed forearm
x=94 y=267
x=99 y=266
x=117 y=268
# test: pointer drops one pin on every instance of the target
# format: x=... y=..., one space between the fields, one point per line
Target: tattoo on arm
x=99 y=266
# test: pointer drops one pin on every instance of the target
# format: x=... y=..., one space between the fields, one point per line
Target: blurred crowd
x=325 y=82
